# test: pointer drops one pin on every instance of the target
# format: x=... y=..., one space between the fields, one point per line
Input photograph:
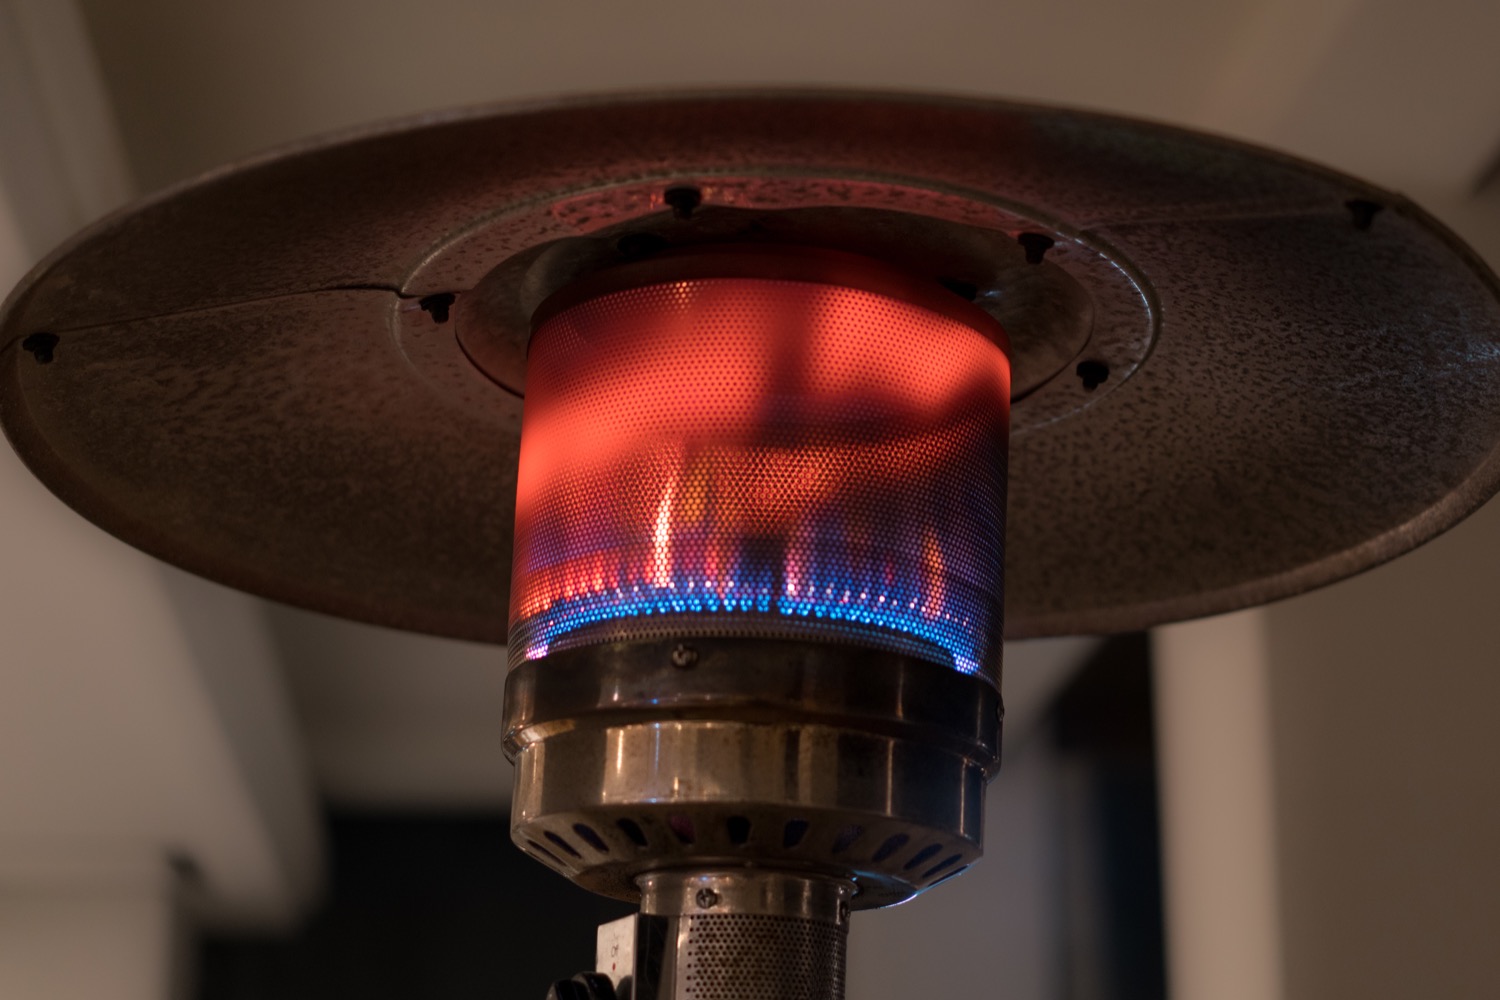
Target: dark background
x=444 y=907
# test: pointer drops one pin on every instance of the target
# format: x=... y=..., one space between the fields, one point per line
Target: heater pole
x=744 y=933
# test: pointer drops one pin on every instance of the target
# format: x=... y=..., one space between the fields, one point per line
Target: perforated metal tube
x=737 y=935
x=768 y=444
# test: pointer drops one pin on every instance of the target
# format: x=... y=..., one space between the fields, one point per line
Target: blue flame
x=851 y=607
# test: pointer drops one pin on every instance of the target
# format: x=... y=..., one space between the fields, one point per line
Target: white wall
x=1387 y=771
x=144 y=730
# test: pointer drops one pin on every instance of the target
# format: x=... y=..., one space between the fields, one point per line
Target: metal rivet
x=1092 y=374
x=843 y=911
x=707 y=899
x=1362 y=212
x=1036 y=246
x=437 y=306
x=684 y=656
x=683 y=200
x=41 y=346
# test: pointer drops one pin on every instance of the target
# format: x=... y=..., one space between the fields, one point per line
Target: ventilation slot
x=632 y=829
x=539 y=849
x=846 y=838
x=593 y=839
x=956 y=871
x=948 y=862
x=563 y=844
x=923 y=856
x=738 y=828
x=793 y=832
x=891 y=846
x=682 y=827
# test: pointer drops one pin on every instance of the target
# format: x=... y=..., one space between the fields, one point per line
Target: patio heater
x=752 y=422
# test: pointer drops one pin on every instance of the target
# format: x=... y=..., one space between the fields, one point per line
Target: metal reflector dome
x=1237 y=375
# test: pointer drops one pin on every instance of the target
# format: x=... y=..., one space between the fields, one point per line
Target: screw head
x=1036 y=246
x=684 y=656
x=1362 y=212
x=41 y=346
x=437 y=306
x=682 y=200
x=1092 y=374
x=707 y=899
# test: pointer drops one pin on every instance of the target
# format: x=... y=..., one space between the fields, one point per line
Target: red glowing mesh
x=765 y=458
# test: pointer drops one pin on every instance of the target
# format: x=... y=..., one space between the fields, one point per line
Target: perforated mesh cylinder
x=734 y=935
x=767 y=444
x=737 y=956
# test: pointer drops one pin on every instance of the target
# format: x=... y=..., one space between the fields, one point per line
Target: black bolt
x=597 y=986
x=1362 y=212
x=963 y=289
x=567 y=989
x=437 y=306
x=683 y=200
x=1092 y=374
x=843 y=911
x=41 y=346
x=684 y=656
x=707 y=899
x=1036 y=246
x=638 y=245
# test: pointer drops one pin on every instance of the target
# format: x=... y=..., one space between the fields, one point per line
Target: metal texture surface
x=741 y=935
x=1053 y=313
x=852 y=764
x=740 y=441
x=737 y=890
x=256 y=376
x=791 y=681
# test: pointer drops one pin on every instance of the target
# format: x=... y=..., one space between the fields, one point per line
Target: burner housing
x=756 y=603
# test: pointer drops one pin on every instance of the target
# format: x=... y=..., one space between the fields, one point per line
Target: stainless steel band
x=832 y=762
x=678 y=893
x=754 y=680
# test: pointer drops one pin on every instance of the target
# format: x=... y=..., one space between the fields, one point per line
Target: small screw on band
x=1036 y=246
x=683 y=200
x=41 y=346
x=437 y=306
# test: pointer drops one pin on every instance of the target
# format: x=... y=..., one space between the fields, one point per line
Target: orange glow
x=661 y=537
x=722 y=452
x=932 y=576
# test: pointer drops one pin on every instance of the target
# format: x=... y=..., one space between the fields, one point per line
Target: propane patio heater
x=806 y=377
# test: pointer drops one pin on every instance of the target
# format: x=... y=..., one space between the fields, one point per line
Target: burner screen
x=768 y=458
